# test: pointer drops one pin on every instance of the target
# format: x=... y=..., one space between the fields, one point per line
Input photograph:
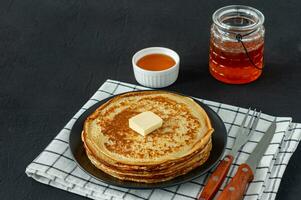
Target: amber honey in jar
x=236 y=44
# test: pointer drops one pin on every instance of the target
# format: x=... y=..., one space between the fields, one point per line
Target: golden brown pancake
x=151 y=176
x=180 y=145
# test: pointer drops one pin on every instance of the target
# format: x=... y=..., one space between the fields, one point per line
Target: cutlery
x=217 y=177
x=245 y=173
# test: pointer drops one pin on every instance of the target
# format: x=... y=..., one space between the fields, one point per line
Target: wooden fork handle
x=237 y=186
x=216 y=179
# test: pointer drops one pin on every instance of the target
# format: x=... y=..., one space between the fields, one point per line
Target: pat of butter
x=145 y=122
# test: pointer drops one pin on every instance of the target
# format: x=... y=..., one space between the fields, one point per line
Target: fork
x=217 y=177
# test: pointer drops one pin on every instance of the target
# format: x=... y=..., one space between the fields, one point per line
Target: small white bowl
x=156 y=79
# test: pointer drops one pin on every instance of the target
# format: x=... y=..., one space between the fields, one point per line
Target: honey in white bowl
x=156 y=62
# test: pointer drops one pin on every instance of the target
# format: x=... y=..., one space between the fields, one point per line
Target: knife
x=245 y=172
x=218 y=176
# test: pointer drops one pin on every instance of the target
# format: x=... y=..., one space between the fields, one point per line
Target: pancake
x=180 y=145
x=151 y=176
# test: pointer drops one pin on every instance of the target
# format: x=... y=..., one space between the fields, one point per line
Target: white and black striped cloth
x=55 y=167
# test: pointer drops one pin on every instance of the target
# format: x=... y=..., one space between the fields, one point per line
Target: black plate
x=219 y=140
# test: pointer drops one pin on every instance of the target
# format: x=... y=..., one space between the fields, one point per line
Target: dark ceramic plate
x=219 y=140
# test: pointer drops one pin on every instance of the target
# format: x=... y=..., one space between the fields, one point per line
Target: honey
x=236 y=67
x=156 y=62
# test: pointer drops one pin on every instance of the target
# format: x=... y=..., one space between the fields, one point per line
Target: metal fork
x=243 y=135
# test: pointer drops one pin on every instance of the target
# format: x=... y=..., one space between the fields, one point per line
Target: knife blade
x=245 y=172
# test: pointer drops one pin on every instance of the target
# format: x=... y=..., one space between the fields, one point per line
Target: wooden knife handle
x=216 y=179
x=237 y=186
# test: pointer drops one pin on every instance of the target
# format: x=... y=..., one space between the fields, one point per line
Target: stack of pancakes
x=180 y=145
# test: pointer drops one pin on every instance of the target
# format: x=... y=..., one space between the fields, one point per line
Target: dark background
x=54 y=54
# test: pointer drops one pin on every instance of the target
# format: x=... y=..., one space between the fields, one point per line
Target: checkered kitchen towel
x=55 y=167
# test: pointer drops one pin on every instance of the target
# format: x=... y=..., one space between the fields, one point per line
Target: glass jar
x=236 y=44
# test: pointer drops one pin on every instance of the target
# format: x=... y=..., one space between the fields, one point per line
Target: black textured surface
x=54 y=54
